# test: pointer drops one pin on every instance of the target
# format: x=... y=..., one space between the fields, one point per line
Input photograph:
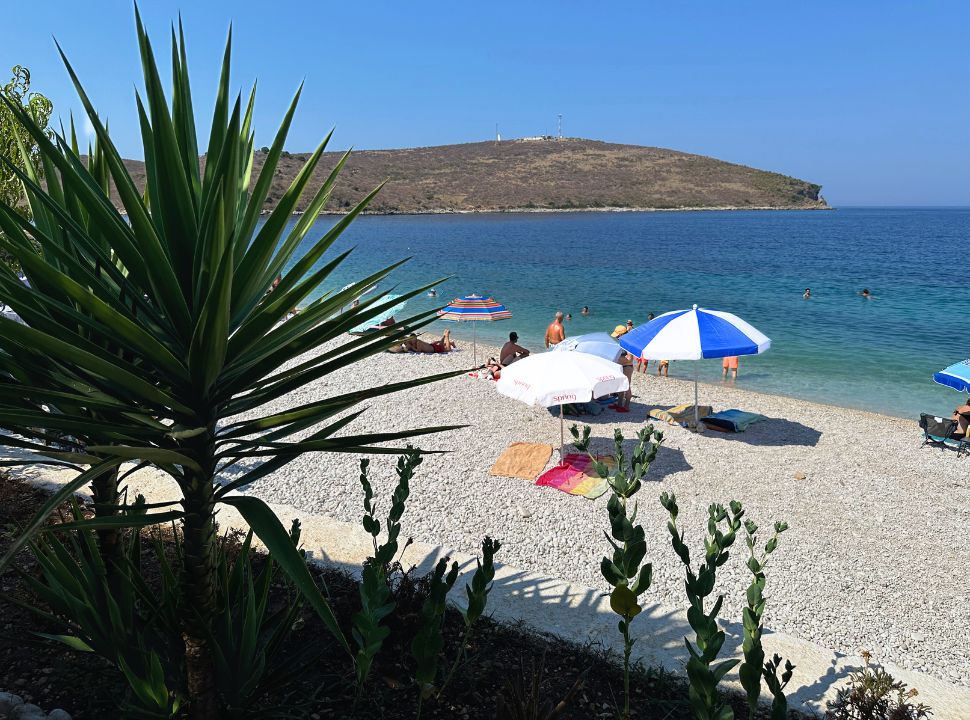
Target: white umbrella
x=557 y=378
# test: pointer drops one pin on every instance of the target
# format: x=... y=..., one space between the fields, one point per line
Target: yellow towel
x=522 y=460
x=680 y=413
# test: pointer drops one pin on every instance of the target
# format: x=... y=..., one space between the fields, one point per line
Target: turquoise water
x=836 y=348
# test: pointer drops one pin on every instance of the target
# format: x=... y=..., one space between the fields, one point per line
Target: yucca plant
x=155 y=339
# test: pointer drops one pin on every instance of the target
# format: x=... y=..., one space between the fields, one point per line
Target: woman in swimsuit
x=443 y=345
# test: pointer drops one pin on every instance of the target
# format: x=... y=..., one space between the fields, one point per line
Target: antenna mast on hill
x=560 y=126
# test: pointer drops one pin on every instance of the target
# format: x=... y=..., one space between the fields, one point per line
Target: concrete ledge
x=572 y=612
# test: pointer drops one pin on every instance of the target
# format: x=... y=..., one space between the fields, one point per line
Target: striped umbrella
x=474 y=307
x=957 y=376
x=693 y=335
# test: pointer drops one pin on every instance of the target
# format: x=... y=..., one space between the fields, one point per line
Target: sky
x=869 y=99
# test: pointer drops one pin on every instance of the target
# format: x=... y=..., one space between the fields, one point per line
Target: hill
x=541 y=174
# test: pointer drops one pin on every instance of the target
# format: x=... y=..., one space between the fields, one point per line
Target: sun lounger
x=942 y=432
x=731 y=420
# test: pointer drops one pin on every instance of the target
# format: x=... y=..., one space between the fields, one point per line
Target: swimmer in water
x=865 y=293
x=585 y=310
x=569 y=316
x=807 y=294
x=432 y=293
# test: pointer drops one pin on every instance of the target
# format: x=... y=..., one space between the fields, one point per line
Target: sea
x=838 y=347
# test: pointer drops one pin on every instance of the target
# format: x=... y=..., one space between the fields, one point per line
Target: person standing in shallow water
x=730 y=363
x=555 y=333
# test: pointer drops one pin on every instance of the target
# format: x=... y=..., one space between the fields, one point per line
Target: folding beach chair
x=941 y=433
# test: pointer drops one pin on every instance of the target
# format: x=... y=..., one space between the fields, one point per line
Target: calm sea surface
x=837 y=348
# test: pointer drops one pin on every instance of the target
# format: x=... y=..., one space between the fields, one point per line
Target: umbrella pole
x=562 y=435
x=474 y=345
x=696 y=371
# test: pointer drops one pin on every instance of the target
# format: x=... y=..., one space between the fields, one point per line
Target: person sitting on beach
x=512 y=351
x=555 y=333
x=414 y=344
x=962 y=417
x=585 y=310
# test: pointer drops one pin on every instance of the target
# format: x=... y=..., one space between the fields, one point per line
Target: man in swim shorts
x=730 y=363
x=555 y=333
x=512 y=351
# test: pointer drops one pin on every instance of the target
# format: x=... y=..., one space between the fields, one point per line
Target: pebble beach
x=874 y=559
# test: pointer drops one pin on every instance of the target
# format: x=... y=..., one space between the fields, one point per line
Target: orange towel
x=522 y=460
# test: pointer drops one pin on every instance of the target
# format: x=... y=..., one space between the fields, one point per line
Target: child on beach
x=663 y=368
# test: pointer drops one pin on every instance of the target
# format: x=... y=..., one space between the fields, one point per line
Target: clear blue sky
x=870 y=99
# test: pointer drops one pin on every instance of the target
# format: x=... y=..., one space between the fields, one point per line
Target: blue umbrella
x=600 y=344
x=693 y=335
x=957 y=376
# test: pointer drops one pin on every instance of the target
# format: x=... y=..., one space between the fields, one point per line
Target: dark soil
x=52 y=675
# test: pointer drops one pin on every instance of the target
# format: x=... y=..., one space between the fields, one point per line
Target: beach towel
x=731 y=420
x=522 y=460
x=679 y=414
x=576 y=476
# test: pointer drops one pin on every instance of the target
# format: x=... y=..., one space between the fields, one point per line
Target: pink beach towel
x=576 y=476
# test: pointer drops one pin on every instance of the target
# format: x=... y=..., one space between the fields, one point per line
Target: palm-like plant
x=156 y=341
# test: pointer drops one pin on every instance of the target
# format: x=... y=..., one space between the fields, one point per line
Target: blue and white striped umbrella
x=957 y=376
x=694 y=334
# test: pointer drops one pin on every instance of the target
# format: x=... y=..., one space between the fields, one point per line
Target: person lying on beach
x=414 y=344
x=512 y=351
x=555 y=333
x=962 y=416
x=492 y=369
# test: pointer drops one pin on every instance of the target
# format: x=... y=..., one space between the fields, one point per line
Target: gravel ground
x=876 y=557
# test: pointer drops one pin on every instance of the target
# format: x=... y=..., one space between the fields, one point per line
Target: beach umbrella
x=600 y=344
x=694 y=334
x=474 y=308
x=557 y=378
x=957 y=376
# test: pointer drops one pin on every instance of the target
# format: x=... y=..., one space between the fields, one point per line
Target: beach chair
x=941 y=432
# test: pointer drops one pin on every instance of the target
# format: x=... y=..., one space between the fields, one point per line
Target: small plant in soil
x=702 y=671
x=874 y=694
x=754 y=667
x=625 y=571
